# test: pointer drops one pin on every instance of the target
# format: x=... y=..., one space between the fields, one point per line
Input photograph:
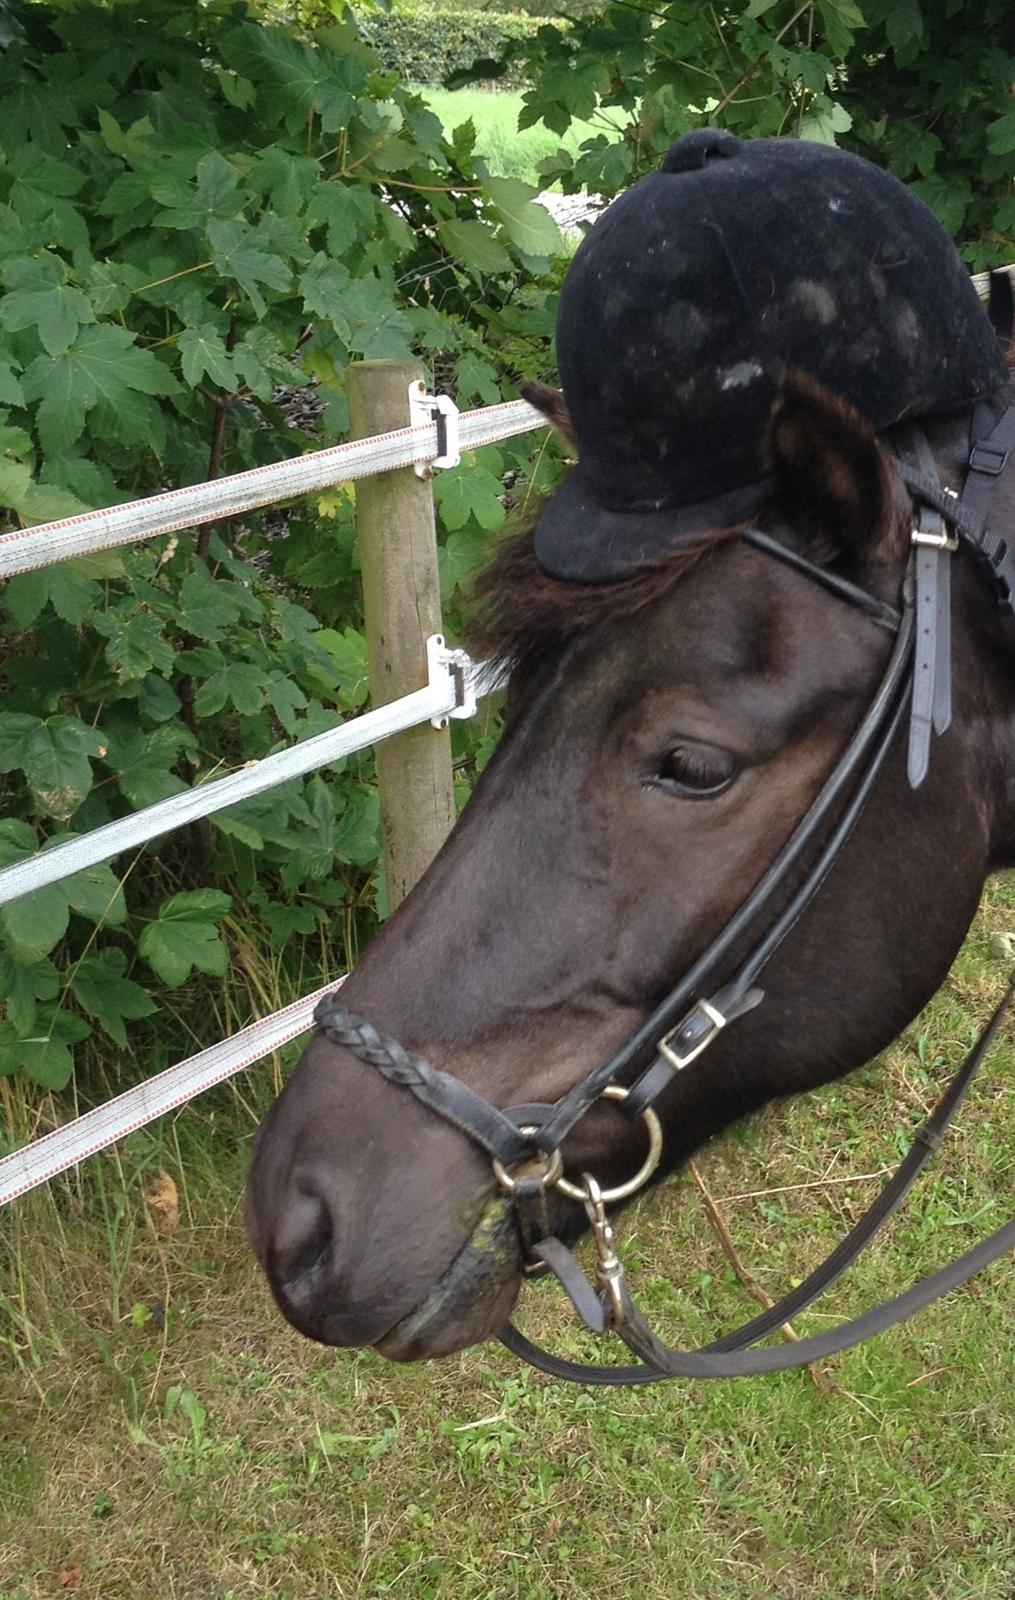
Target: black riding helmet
x=693 y=295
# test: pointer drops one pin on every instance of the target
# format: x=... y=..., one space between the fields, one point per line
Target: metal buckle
x=989 y=459
x=578 y=1191
x=941 y=540
x=552 y=1163
x=716 y=1022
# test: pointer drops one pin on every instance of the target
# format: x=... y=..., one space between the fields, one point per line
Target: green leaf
x=44 y=1055
x=464 y=554
x=38 y=296
x=158 y=699
x=949 y=200
x=208 y=606
x=476 y=379
x=842 y=19
x=285 y=698
x=55 y=760
x=97 y=894
x=17 y=839
x=21 y=986
x=348 y=653
x=527 y=224
x=356 y=833
x=283 y=921
x=824 y=120
x=104 y=363
x=1001 y=134
x=184 y=936
x=137 y=644
x=11 y=392
x=237 y=682
x=33 y=501
x=192 y=205
x=30 y=927
x=203 y=353
x=241 y=253
x=294 y=79
x=143 y=760
x=99 y=986
x=71 y=596
x=903 y=23
x=475 y=246
x=469 y=491
x=378 y=330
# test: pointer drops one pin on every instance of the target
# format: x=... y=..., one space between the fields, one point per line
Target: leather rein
x=524 y=1142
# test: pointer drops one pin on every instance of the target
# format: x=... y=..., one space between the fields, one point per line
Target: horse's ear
x=835 y=482
x=552 y=404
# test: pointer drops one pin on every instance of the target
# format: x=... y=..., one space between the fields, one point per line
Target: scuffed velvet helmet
x=694 y=294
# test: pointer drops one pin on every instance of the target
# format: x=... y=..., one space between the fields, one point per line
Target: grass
x=163 y=1433
x=508 y=153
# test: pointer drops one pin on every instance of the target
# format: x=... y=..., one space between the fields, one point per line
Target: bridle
x=524 y=1142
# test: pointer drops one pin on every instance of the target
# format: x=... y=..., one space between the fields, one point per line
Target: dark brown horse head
x=664 y=736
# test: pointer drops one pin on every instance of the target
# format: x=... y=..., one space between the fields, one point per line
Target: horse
x=664 y=736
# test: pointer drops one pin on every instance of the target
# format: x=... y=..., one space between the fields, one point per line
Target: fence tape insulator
x=96 y=1130
x=27 y=548
x=439 y=698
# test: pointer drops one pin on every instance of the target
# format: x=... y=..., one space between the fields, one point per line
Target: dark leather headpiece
x=698 y=290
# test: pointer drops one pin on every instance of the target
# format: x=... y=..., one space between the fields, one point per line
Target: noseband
x=524 y=1142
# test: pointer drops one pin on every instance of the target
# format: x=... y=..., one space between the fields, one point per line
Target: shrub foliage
x=196 y=210
x=428 y=46
x=923 y=87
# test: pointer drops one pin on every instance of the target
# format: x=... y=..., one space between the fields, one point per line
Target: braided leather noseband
x=524 y=1142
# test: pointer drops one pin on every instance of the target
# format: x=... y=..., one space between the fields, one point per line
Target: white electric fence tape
x=38 y=1162
x=438 y=699
x=27 y=548
x=454 y=683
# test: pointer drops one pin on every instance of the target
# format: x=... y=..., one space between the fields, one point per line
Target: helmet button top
x=693 y=150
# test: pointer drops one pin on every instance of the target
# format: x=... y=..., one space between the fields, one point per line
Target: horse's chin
x=472 y=1299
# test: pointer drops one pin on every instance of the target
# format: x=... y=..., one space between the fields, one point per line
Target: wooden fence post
x=401 y=601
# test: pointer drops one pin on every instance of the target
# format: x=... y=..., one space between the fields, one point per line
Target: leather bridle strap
x=452 y=1099
x=869 y=736
x=925 y=1143
x=499 y=1132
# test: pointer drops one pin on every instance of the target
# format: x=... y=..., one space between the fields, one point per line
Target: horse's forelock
x=519 y=610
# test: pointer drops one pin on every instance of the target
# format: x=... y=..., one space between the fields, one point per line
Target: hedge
x=426 y=47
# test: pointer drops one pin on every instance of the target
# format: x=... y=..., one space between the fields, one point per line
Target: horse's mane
x=519 y=610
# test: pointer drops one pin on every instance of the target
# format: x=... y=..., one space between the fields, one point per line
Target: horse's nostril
x=303 y=1239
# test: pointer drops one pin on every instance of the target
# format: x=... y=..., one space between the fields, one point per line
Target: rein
x=524 y=1142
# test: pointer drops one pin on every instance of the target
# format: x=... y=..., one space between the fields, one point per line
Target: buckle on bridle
x=990 y=459
x=699 y=1027
x=939 y=540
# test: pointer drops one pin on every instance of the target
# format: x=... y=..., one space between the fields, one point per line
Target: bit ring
x=552 y=1161
x=576 y=1191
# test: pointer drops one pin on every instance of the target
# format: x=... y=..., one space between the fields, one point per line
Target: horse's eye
x=695 y=772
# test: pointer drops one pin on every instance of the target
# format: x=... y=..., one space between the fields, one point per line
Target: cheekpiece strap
x=931 y=705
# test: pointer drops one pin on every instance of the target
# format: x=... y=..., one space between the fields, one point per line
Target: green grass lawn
x=163 y=1433
x=508 y=153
